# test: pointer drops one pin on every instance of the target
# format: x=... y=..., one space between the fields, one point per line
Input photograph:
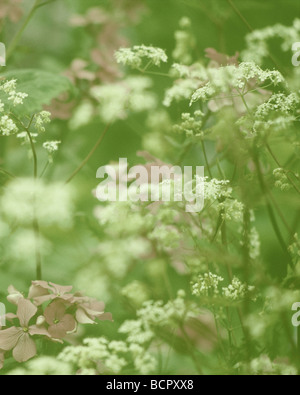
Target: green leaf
x=41 y=86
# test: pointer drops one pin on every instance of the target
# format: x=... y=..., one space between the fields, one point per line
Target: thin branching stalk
x=36 y=227
x=18 y=35
x=86 y=160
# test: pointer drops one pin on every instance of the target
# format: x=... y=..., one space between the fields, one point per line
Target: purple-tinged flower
x=88 y=310
x=60 y=323
x=19 y=339
x=14 y=295
x=42 y=292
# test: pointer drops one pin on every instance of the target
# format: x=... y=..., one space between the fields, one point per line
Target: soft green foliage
x=208 y=292
x=40 y=86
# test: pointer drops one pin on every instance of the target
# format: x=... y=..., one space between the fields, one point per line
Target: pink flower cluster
x=50 y=311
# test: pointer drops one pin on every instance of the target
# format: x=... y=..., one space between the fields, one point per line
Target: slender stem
x=240 y=15
x=270 y=210
x=18 y=35
x=35 y=161
x=45 y=3
x=7 y=173
x=250 y=28
x=191 y=349
x=36 y=227
x=45 y=169
x=38 y=256
x=206 y=159
x=81 y=166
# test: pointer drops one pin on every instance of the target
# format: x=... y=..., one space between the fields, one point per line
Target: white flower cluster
x=282 y=181
x=119 y=99
x=43 y=366
x=9 y=88
x=53 y=203
x=255 y=244
x=235 y=79
x=8 y=91
x=7 y=126
x=185 y=42
x=51 y=147
x=117 y=262
x=216 y=189
x=136 y=293
x=99 y=356
x=156 y=314
x=277 y=114
x=187 y=79
x=134 y=57
x=279 y=102
x=181 y=90
x=237 y=290
x=123 y=219
x=231 y=209
x=40 y=120
x=263 y=365
x=207 y=285
x=191 y=124
x=257 y=41
x=294 y=249
x=167 y=237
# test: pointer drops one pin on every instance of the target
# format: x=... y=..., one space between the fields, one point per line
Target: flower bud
x=14 y=298
x=40 y=320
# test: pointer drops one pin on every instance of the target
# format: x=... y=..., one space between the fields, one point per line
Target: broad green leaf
x=41 y=86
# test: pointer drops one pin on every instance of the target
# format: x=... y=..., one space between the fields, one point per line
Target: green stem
x=250 y=28
x=35 y=160
x=7 y=173
x=45 y=169
x=240 y=15
x=38 y=256
x=81 y=166
x=18 y=35
x=271 y=211
x=206 y=159
x=36 y=227
x=190 y=346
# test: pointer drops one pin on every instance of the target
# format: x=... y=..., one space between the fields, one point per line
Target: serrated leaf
x=41 y=86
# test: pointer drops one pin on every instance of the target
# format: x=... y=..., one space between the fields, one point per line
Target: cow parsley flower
x=166 y=236
x=282 y=181
x=100 y=356
x=119 y=99
x=53 y=203
x=9 y=88
x=207 y=285
x=7 y=126
x=263 y=365
x=237 y=291
x=134 y=57
x=44 y=366
x=258 y=40
x=51 y=147
x=185 y=42
x=40 y=120
x=181 y=90
x=280 y=104
x=191 y=124
x=234 y=79
x=26 y=139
